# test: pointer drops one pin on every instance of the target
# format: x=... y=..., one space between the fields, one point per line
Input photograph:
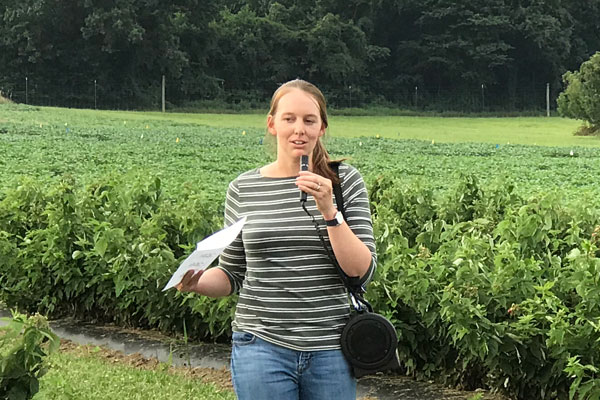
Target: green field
x=553 y=131
x=209 y=150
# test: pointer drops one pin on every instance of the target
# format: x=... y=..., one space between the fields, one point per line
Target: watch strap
x=334 y=221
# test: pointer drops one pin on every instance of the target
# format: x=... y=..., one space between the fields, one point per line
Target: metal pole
x=26 y=91
x=350 y=92
x=95 y=99
x=163 y=93
x=547 y=99
x=482 y=97
x=416 y=96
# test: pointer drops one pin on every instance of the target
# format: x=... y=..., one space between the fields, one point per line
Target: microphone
x=303 y=167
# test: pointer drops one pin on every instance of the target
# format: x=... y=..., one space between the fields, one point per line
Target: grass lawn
x=93 y=373
x=97 y=373
x=552 y=131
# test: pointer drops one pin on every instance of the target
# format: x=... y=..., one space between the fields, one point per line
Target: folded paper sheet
x=206 y=251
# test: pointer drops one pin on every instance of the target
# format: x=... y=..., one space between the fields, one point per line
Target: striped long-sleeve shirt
x=290 y=293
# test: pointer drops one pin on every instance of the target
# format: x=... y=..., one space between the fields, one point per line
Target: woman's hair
x=320 y=157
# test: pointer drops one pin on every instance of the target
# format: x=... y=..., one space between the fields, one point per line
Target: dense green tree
x=585 y=39
x=63 y=47
x=40 y=40
x=443 y=46
x=249 y=53
x=336 y=50
x=505 y=45
x=141 y=40
x=541 y=42
x=580 y=99
x=461 y=41
x=192 y=25
x=255 y=53
x=433 y=53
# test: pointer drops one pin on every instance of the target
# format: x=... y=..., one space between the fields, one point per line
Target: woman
x=293 y=304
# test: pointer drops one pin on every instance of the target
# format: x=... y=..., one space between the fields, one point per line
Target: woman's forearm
x=352 y=254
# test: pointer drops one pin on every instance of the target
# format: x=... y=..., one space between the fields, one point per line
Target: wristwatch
x=338 y=219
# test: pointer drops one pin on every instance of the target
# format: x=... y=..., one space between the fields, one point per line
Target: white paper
x=206 y=251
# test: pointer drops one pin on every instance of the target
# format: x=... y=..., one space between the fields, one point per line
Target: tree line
x=441 y=54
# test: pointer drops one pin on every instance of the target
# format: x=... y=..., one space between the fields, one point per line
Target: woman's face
x=296 y=123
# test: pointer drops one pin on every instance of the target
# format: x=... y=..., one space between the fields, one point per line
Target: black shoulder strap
x=337 y=188
x=352 y=283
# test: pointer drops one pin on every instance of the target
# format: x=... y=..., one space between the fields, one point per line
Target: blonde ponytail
x=321 y=160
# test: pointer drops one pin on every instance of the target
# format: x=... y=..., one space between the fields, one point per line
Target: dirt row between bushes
x=219 y=377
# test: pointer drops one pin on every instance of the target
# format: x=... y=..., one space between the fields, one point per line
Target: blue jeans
x=262 y=370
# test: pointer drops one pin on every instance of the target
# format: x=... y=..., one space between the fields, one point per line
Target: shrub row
x=104 y=252
x=486 y=288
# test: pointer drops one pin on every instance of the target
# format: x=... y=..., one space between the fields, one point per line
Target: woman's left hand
x=320 y=189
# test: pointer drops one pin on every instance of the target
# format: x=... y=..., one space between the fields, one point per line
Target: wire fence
x=93 y=95
x=537 y=98
x=481 y=99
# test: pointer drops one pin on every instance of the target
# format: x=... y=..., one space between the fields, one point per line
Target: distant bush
x=4 y=100
x=581 y=99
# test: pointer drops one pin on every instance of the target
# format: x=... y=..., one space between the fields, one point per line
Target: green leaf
x=573 y=254
x=101 y=245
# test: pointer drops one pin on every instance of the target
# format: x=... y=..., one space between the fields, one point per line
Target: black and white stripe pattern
x=290 y=292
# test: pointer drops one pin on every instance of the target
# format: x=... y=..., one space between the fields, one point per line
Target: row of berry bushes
x=486 y=288
x=104 y=252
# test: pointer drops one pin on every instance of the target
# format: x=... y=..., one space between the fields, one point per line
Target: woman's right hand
x=189 y=283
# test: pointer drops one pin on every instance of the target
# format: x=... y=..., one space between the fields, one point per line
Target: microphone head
x=304 y=163
x=303 y=167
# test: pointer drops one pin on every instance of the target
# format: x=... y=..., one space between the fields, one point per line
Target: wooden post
x=547 y=99
x=163 y=93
